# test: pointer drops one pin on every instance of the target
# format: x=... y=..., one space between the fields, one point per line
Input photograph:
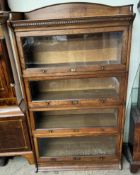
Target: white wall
x=27 y=5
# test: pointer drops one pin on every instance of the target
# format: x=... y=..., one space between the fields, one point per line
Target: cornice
x=47 y=23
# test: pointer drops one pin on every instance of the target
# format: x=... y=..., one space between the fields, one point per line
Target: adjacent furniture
x=14 y=137
x=14 y=133
x=73 y=60
x=133 y=150
x=7 y=91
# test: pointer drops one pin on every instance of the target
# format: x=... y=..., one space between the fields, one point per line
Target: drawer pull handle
x=75 y=102
x=102 y=100
x=73 y=69
x=44 y=71
x=76 y=158
x=101 y=157
x=50 y=131
x=48 y=103
x=102 y=67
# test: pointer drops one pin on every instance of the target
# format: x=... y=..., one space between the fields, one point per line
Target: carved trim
x=67 y=22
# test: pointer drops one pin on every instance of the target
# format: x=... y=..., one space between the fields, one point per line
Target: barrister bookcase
x=74 y=61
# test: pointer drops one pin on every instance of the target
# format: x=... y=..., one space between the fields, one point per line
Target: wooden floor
x=19 y=166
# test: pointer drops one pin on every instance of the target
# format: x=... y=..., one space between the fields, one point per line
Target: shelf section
x=76 y=119
x=77 y=146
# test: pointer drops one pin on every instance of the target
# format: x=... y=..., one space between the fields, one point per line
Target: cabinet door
x=76 y=121
x=83 y=148
x=77 y=51
x=6 y=79
x=75 y=91
x=13 y=134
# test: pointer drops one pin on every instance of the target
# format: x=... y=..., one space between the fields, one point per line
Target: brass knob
x=75 y=102
x=73 y=69
x=102 y=67
x=76 y=158
x=12 y=85
x=48 y=103
x=101 y=157
x=102 y=100
x=44 y=71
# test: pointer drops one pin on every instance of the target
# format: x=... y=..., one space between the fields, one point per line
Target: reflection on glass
x=89 y=88
x=73 y=50
x=76 y=118
x=77 y=146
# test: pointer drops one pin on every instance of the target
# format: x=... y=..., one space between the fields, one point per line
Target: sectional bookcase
x=74 y=61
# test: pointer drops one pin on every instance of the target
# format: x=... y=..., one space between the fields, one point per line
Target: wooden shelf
x=77 y=146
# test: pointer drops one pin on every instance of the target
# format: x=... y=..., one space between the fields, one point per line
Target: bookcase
x=74 y=62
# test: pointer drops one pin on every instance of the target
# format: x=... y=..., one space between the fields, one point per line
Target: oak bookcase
x=74 y=61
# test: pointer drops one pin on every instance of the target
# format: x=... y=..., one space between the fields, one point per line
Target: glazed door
x=75 y=91
x=83 y=148
x=75 y=122
x=73 y=52
x=6 y=79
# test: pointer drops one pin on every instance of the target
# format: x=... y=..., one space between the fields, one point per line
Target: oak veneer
x=73 y=57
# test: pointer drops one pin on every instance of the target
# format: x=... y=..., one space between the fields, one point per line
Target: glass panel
x=77 y=146
x=83 y=118
x=88 y=88
x=73 y=50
